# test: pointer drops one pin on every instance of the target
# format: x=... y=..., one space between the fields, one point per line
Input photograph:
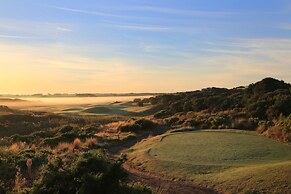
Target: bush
x=130 y=128
x=280 y=130
x=7 y=170
x=3 y=189
x=140 y=103
x=144 y=123
x=262 y=126
x=88 y=173
x=66 y=129
x=162 y=114
x=172 y=120
x=139 y=125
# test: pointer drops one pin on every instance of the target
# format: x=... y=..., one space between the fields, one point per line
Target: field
x=116 y=105
x=228 y=160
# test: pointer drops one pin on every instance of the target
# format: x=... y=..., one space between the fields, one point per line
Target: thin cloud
x=97 y=13
x=63 y=29
x=225 y=51
x=183 y=11
x=143 y=27
x=286 y=26
x=16 y=37
x=25 y=29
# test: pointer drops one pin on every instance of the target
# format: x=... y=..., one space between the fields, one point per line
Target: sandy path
x=162 y=185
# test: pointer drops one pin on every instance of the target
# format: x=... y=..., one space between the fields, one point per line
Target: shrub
x=244 y=123
x=77 y=143
x=7 y=170
x=66 y=129
x=44 y=134
x=86 y=173
x=144 y=123
x=162 y=114
x=140 y=103
x=3 y=189
x=23 y=138
x=279 y=129
x=129 y=128
x=262 y=126
x=139 y=125
x=90 y=142
x=172 y=120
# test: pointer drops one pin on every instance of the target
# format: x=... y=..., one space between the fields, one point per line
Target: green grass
x=232 y=161
x=138 y=109
x=122 y=109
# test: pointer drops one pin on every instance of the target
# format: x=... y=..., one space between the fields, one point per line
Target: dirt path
x=162 y=185
x=158 y=184
x=116 y=150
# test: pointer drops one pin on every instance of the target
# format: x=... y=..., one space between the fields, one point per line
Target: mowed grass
x=138 y=109
x=122 y=109
x=232 y=161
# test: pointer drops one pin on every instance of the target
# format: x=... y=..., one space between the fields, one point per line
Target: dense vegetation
x=49 y=153
x=44 y=171
x=264 y=103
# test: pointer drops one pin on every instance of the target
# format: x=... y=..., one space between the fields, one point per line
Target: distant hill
x=267 y=85
x=264 y=106
x=11 y=100
x=266 y=99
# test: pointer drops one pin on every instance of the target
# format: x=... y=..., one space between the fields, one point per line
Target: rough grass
x=227 y=160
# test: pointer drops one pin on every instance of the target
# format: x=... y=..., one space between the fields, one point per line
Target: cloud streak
x=96 y=13
x=184 y=12
x=285 y=26
x=143 y=27
x=16 y=37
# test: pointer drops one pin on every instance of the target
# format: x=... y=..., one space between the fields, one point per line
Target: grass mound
x=230 y=160
x=219 y=148
x=106 y=110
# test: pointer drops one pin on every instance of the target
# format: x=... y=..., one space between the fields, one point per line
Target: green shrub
x=7 y=169
x=44 y=134
x=172 y=120
x=23 y=138
x=88 y=173
x=281 y=129
x=162 y=114
x=130 y=128
x=139 y=125
x=66 y=129
x=3 y=189
x=144 y=123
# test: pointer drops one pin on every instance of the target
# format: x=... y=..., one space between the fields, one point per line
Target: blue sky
x=141 y=45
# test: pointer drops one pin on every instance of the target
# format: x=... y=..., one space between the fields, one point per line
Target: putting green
x=231 y=161
x=219 y=148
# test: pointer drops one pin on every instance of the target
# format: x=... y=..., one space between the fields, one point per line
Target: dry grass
x=90 y=142
x=114 y=126
x=17 y=146
x=114 y=135
x=77 y=144
x=20 y=181
x=66 y=148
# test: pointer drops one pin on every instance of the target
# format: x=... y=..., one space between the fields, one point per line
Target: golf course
x=234 y=161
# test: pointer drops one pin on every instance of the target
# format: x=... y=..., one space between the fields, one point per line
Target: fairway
x=228 y=160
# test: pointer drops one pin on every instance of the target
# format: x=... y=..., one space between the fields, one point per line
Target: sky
x=119 y=46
